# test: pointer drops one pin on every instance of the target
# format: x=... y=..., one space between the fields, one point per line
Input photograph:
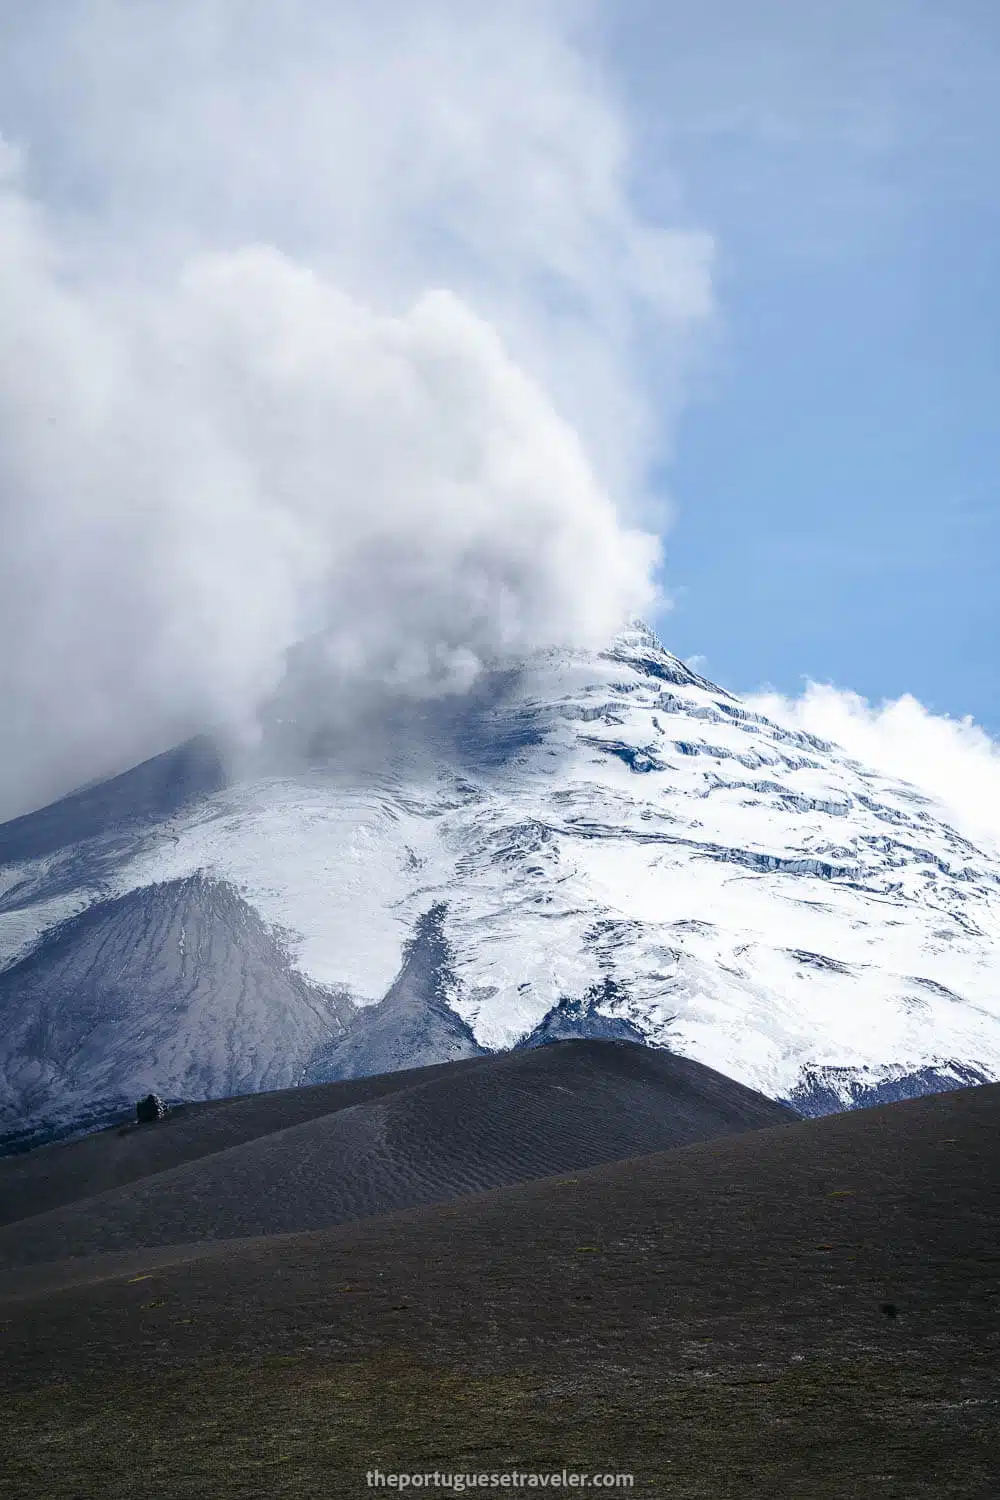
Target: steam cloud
x=310 y=324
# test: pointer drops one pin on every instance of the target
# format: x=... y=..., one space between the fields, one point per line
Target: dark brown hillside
x=346 y=1151
x=806 y=1310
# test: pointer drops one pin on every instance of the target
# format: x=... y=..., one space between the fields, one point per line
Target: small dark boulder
x=150 y=1109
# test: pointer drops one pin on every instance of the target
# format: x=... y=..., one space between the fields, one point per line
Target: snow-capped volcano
x=593 y=843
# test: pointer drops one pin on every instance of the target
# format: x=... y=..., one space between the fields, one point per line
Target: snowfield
x=608 y=828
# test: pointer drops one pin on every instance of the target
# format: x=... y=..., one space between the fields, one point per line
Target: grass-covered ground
x=301 y=1426
x=810 y=1311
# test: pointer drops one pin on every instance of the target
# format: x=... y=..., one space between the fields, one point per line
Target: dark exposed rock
x=412 y=1027
x=829 y=1090
x=576 y=1019
x=150 y=1109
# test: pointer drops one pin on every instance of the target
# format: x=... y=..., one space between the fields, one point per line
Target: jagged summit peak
x=635 y=633
x=639 y=646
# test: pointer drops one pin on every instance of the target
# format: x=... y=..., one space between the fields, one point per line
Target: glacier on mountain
x=601 y=842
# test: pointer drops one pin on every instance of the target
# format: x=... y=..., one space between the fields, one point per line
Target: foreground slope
x=368 y=1148
x=803 y=1310
x=594 y=843
x=50 y=1176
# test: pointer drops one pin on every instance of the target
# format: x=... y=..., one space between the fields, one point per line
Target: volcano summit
x=590 y=845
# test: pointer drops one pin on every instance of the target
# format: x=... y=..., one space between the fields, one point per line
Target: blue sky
x=837 y=480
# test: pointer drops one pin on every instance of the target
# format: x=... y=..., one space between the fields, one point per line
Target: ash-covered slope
x=179 y=987
x=413 y=1027
x=64 y=1172
x=594 y=844
x=434 y=1137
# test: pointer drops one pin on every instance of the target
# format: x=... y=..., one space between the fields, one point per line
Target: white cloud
x=310 y=322
x=954 y=761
